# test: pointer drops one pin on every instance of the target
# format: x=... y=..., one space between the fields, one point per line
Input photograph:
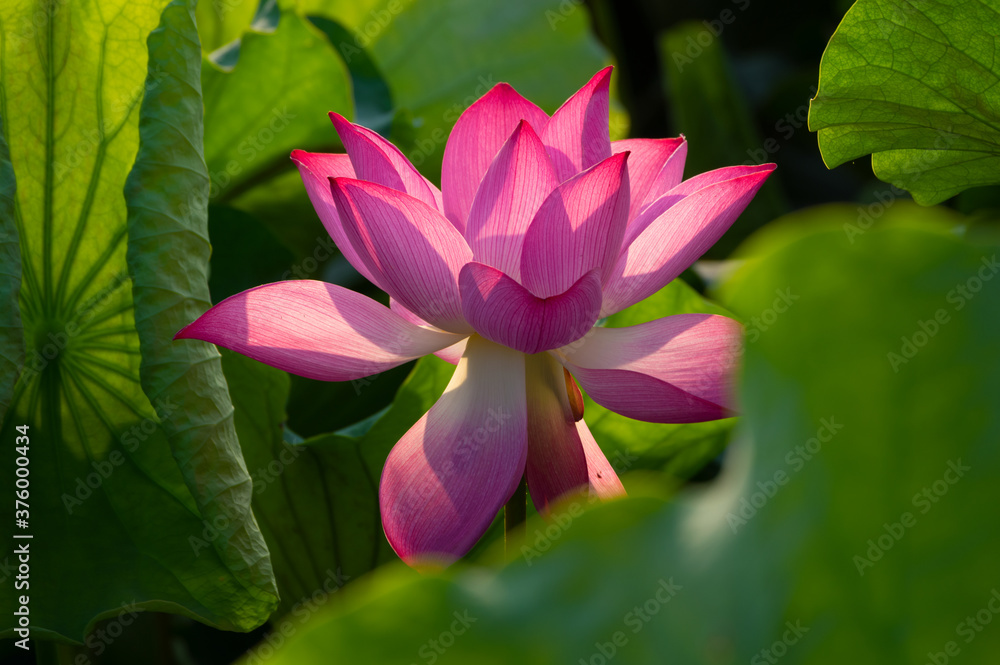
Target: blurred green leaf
x=372 y=98
x=104 y=476
x=11 y=329
x=915 y=84
x=274 y=100
x=222 y=21
x=890 y=338
x=678 y=450
x=440 y=57
x=710 y=110
x=636 y=581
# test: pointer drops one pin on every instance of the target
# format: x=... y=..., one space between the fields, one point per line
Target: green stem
x=514 y=513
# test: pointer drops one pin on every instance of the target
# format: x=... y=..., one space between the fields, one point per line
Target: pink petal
x=660 y=203
x=512 y=191
x=579 y=228
x=678 y=369
x=316 y=169
x=445 y=480
x=604 y=482
x=505 y=312
x=653 y=163
x=451 y=354
x=413 y=251
x=379 y=161
x=673 y=238
x=475 y=141
x=578 y=134
x=316 y=330
x=562 y=454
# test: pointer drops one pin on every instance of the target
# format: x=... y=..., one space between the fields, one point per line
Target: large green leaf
x=635 y=581
x=166 y=194
x=915 y=83
x=11 y=330
x=274 y=100
x=317 y=500
x=111 y=511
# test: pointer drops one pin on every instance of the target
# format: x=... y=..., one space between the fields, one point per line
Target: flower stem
x=514 y=512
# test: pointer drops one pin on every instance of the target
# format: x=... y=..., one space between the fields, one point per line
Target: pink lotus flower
x=543 y=226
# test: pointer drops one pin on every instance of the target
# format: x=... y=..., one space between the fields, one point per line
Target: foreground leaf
x=914 y=83
x=104 y=479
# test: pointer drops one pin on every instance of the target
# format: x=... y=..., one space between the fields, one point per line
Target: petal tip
x=185 y=332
